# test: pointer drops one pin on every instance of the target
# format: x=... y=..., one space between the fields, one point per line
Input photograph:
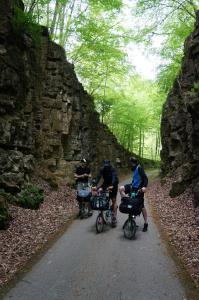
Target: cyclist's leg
x=144 y=213
x=90 y=211
x=113 y=197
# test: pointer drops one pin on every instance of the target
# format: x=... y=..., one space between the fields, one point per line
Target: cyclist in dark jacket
x=83 y=172
x=110 y=180
x=82 y=175
x=138 y=185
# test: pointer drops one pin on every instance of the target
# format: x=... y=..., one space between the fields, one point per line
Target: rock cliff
x=47 y=120
x=180 y=122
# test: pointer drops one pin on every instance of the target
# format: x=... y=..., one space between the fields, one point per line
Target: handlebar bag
x=100 y=202
x=130 y=206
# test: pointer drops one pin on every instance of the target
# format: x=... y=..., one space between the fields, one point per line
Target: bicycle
x=83 y=197
x=101 y=202
x=132 y=207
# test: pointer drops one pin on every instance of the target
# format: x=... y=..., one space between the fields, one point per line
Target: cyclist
x=138 y=185
x=110 y=181
x=82 y=175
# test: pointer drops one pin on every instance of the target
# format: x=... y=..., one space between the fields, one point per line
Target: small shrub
x=30 y=197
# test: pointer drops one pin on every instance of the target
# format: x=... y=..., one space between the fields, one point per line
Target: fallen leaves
x=180 y=221
x=30 y=229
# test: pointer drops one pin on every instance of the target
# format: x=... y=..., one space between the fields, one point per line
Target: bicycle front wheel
x=129 y=229
x=99 y=223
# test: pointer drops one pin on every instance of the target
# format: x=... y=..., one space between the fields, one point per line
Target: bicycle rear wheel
x=99 y=223
x=129 y=229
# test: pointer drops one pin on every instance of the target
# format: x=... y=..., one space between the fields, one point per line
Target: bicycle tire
x=99 y=223
x=129 y=229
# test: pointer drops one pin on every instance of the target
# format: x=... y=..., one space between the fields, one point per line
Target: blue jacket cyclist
x=138 y=185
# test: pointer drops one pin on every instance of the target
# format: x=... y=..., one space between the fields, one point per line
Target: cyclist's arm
x=88 y=174
x=78 y=176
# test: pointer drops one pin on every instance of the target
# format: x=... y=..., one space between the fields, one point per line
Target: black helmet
x=106 y=163
x=134 y=160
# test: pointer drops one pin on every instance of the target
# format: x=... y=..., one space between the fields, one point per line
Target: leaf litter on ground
x=180 y=221
x=30 y=229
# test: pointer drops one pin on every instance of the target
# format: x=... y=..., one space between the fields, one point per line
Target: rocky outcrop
x=180 y=121
x=47 y=120
x=4 y=213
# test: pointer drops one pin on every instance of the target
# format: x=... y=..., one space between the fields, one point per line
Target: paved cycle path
x=88 y=266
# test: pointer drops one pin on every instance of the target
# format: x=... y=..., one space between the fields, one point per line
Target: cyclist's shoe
x=114 y=222
x=145 y=228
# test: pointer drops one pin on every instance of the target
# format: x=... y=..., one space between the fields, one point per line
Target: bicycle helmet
x=134 y=160
x=106 y=163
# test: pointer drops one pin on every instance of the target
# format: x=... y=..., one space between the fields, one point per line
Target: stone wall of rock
x=47 y=120
x=180 y=122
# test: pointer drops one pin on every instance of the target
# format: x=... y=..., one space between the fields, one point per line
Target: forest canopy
x=96 y=36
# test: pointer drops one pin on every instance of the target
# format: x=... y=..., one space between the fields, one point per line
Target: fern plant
x=30 y=197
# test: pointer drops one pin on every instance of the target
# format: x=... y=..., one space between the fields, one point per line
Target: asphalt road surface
x=88 y=266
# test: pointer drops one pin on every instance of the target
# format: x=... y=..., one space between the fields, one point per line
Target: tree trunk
x=62 y=21
x=53 y=24
x=68 y=23
x=48 y=15
x=140 y=141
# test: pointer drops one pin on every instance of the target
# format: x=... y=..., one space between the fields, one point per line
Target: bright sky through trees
x=146 y=63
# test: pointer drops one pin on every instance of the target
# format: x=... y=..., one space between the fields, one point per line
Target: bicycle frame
x=104 y=216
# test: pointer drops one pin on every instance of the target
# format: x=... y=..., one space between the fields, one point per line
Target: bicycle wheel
x=99 y=223
x=129 y=229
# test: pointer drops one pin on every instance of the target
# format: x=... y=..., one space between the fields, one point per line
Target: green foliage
x=107 y=4
x=173 y=21
x=133 y=114
x=196 y=86
x=30 y=197
x=25 y=23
